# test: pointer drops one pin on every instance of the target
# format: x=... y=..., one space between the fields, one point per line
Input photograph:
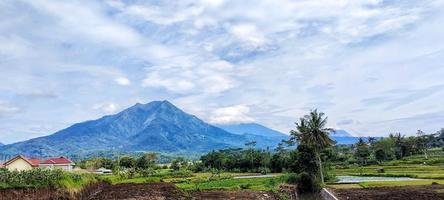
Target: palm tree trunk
x=321 y=173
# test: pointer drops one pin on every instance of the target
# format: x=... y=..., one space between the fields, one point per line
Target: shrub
x=308 y=183
x=291 y=178
x=38 y=178
x=245 y=186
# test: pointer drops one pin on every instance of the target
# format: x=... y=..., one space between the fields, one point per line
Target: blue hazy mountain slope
x=267 y=136
x=252 y=128
x=341 y=133
x=264 y=136
x=157 y=126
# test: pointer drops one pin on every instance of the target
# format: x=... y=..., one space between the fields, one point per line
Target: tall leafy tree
x=311 y=131
x=362 y=151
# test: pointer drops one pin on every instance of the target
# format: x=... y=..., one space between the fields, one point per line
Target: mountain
x=1 y=144
x=253 y=129
x=264 y=136
x=267 y=136
x=157 y=126
x=341 y=133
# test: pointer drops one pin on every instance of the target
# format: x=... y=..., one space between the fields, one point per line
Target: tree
x=400 y=148
x=127 y=162
x=380 y=155
x=311 y=131
x=362 y=151
x=178 y=163
x=147 y=160
x=251 y=146
x=422 y=142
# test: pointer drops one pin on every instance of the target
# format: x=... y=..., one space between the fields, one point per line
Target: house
x=57 y=163
x=21 y=163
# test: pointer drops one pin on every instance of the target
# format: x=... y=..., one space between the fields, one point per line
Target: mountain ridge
x=155 y=126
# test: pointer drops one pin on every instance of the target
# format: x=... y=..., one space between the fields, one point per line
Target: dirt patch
x=392 y=193
x=239 y=195
x=149 y=191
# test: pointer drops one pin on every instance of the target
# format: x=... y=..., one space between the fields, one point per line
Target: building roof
x=57 y=161
x=32 y=162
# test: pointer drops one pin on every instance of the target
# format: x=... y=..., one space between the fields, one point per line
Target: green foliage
x=239 y=160
x=362 y=152
x=308 y=183
x=179 y=163
x=127 y=162
x=311 y=132
x=245 y=186
x=291 y=178
x=97 y=163
x=38 y=178
x=147 y=160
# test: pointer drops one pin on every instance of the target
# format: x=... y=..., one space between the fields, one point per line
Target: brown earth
x=167 y=191
x=149 y=191
x=430 y=192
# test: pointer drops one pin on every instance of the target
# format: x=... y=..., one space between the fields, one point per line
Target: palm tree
x=311 y=131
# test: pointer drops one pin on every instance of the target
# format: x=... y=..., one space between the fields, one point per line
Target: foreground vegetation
x=40 y=178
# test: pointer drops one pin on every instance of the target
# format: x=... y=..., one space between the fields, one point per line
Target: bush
x=308 y=183
x=38 y=178
x=291 y=178
x=245 y=186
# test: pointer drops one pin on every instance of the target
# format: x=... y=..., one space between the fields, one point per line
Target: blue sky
x=374 y=67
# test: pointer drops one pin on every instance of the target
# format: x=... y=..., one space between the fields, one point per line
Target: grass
x=263 y=184
x=399 y=183
x=430 y=170
x=38 y=178
x=412 y=166
x=113 y=179
x=413 y=171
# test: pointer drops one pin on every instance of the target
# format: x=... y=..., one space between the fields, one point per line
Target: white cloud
x=248 y=33
x=107 y=108
x=7 y=109
x=173 y=84
x=123 y=81
x=231 y=115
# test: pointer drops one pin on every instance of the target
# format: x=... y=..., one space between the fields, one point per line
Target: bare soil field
x=431 y=192
x=150 y=191
x=167 y=191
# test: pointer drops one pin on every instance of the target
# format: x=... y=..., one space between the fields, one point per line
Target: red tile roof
x=32 y=162
x=35 y=162
x=61 y=160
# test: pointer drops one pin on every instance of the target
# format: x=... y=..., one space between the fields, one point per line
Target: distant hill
x=264 y=136
x=1 y=144
x=341 y=133
x=253 y=129
x=258 y=132
x=157 y=126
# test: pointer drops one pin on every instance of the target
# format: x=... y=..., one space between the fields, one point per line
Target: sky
x=374 y=67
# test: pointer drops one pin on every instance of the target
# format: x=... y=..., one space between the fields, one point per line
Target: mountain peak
x=156 y=126
x=341 y=133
